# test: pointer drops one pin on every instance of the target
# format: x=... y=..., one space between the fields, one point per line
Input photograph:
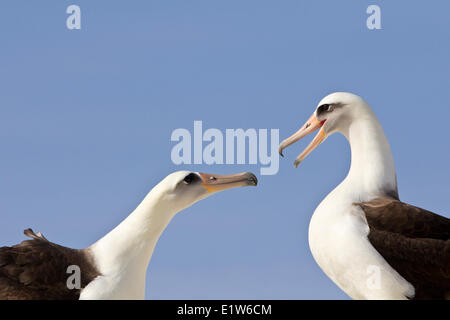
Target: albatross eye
x=325 y=108
x=190 y=178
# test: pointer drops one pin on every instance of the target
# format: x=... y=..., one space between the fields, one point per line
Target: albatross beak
x=216 y=183
x=310 y=126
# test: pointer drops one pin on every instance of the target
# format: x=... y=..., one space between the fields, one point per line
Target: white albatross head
x=182 y=189
x=334 y=113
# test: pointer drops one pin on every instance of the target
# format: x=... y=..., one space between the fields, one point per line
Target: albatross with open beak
x=115 y=266
x=372 y=245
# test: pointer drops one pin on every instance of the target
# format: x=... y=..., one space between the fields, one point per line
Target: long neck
x=129 y=246
x=372 y=172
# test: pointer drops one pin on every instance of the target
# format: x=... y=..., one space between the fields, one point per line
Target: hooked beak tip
x=253 y=181
x=281 y=148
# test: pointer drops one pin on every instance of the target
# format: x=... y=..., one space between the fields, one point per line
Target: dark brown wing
x=414 y=241
x=37 y=269
x=395 y=216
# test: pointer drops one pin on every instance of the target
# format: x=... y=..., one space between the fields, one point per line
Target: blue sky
x=86 y=118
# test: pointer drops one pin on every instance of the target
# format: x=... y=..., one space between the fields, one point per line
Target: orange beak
x=310 y=126
x=217 y=182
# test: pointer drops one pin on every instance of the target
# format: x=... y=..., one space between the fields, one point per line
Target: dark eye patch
x=190 y=178
x=324 y=108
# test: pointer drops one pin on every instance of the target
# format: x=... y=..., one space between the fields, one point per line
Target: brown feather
x=414 y=241
x=36 y=269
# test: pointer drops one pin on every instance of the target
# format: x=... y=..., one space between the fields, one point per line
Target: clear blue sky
x=86 y=118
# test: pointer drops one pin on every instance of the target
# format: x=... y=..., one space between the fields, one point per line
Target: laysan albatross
x=372 y=245
x=115 y=266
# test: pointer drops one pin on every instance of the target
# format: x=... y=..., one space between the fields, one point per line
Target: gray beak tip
x=252 y=179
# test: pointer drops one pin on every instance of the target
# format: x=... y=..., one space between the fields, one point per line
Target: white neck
x=372 y=172
x=124 y=253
